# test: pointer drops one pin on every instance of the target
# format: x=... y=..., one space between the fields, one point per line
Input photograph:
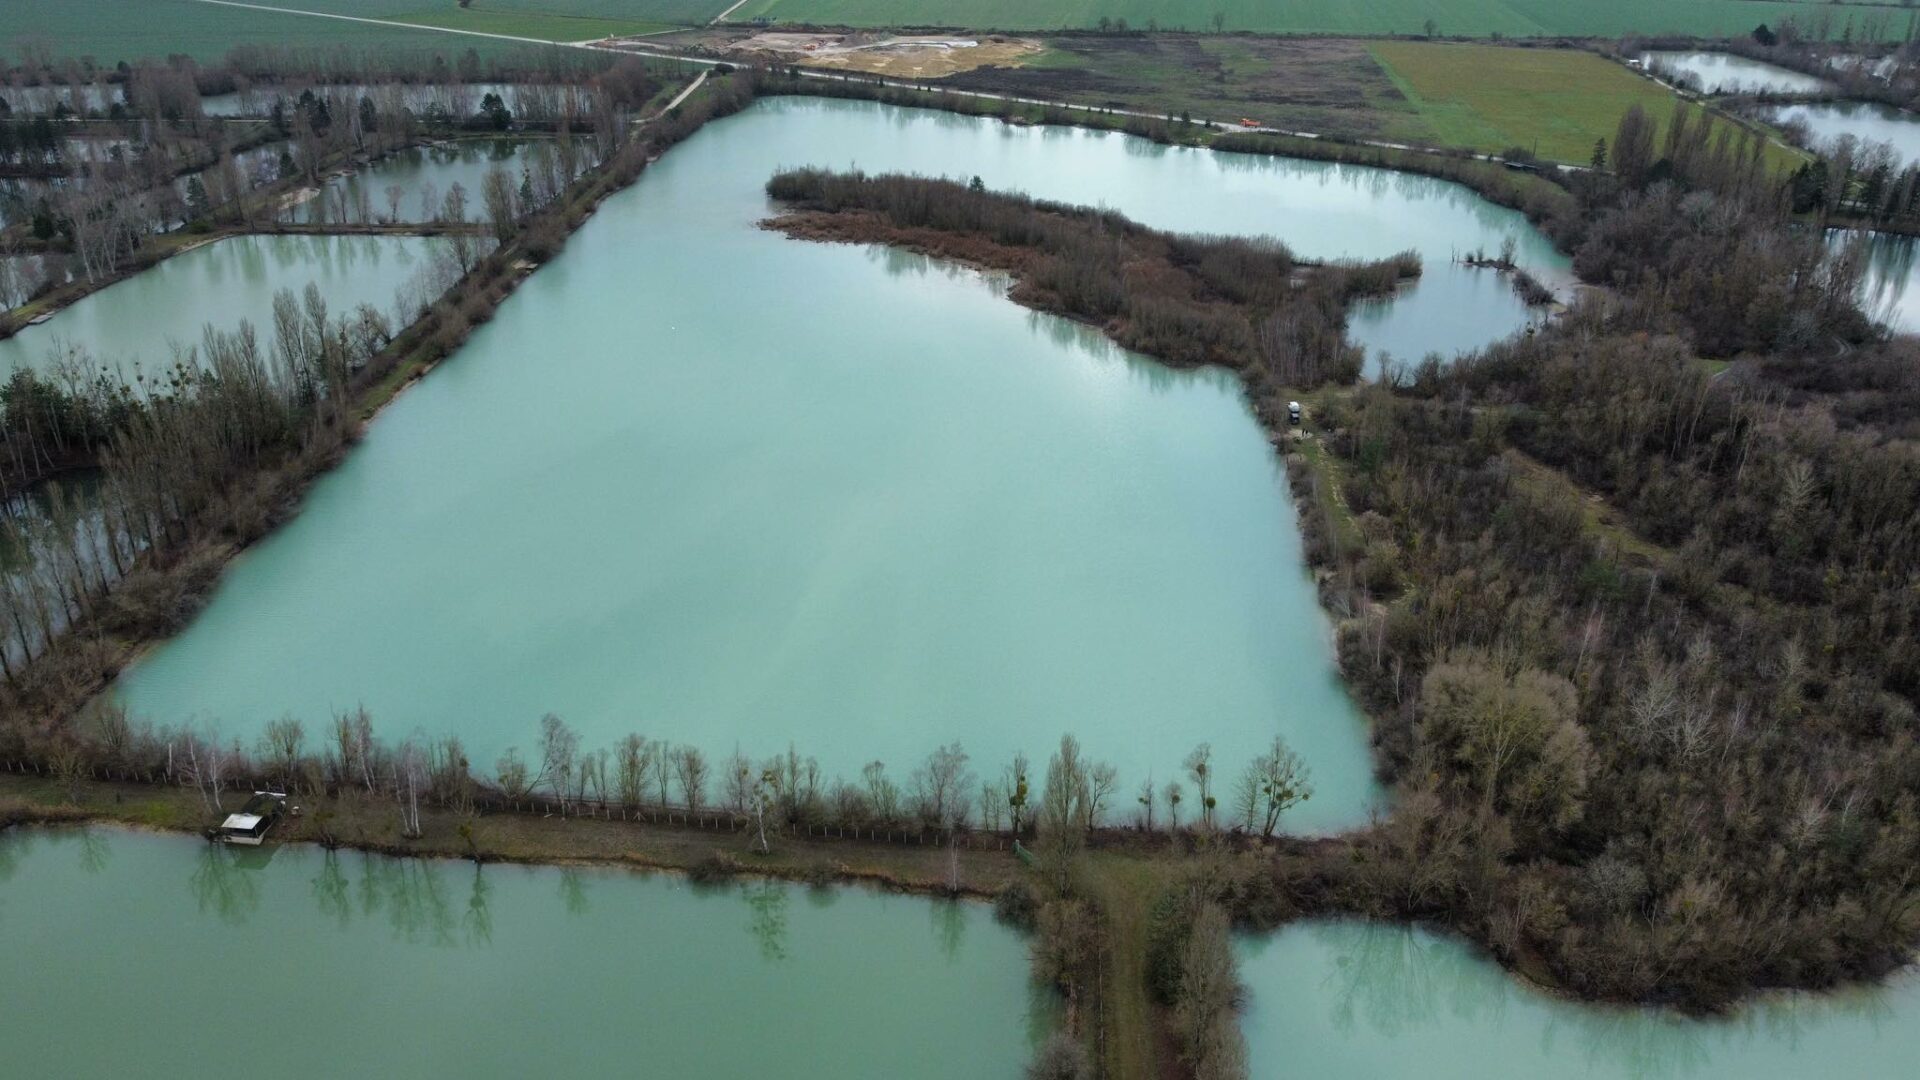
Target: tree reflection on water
x=767 y=917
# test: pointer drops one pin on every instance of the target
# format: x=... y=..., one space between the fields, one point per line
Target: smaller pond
x=141 y=319
x=1724 y=73
x=411 y=185
x=1866 y=121
x=527 y=101
x=1334 y=998
x=21 y=276
x=83 y=99
x=1880 y=68
x=1890 y=292
x=131 y=954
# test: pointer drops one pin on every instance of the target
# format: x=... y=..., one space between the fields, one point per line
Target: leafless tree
x=690 y=768
x=559 y=747
x=502 y=201
x=941 y=785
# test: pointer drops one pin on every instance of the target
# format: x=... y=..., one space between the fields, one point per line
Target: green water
x=137 y=955
x=424 y=174
x=1337 y=999
x=137 y=321
x=706 y=483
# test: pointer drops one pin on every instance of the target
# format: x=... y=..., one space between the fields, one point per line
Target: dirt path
x=684 y=94
x=722 y=17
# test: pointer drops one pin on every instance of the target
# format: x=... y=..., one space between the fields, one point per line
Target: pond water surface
x=455 y=99
x=1866 y=121
x=131 y=954
x=1891 y=290
x=705 y=483
x=1725 y=73
x=1338 y=999
x=139 y=320
x=421 y=176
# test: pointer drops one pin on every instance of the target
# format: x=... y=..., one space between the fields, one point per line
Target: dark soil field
x=1328 y=86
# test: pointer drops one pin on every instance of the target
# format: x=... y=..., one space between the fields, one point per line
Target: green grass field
x=526 y=24
x=113 y=30
x=1555 y=102
x=1479 y=18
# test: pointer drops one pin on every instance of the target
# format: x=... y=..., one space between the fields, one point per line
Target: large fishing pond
x=139 y=321
x=131 y=954
x=702 y=482
x=1344 y=999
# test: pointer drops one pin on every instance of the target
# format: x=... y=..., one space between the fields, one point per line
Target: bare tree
x=410 y=775
x=737 y=782
x=1102 y=781
x=454 y=209
x=633 y=762
x=1016 y=792
x=940 y=787
x=559 y=748
x=511 y=774
x=502 y=201
x=1199 y=766
x=690 y=767
x=280 y=744
x=883 y=795
x=1274 y=783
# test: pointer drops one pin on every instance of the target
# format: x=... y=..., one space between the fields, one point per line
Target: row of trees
x=942 y=794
